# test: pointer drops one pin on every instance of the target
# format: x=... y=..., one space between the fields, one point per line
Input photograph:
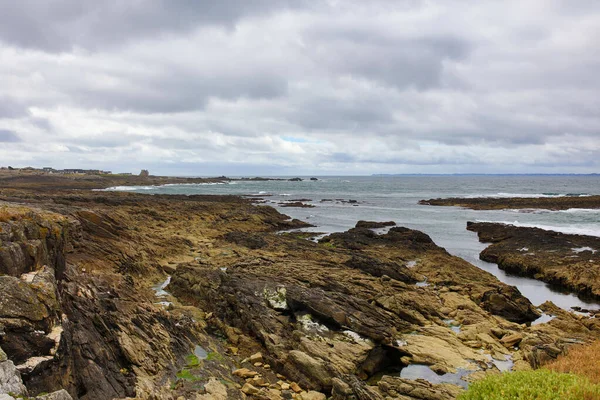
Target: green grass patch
x=192 y=361
x=532 y=385
x=213 y=355
x=187 y=375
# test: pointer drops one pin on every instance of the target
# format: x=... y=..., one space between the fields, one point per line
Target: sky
x=299 y=87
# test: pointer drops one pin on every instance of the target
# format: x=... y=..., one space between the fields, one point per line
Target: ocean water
x=396 y=198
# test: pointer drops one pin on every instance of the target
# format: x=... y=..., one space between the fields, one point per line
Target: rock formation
x=569 y=261
x=239 y=311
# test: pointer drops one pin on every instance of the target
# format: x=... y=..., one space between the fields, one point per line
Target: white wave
x=502 y=195
x=285 y=194
x=570 y=229
x=193 y=184
x=545 y=211
x=582 y=249
x=262 y=192
x=150 y=187
x=125 y=188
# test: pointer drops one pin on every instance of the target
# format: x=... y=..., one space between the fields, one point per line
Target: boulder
x=312 y=395
x=10 y=379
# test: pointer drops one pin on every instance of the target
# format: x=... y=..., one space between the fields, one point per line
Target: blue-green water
x=396 y=198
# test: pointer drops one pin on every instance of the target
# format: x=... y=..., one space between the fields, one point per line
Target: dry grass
x=580 y=360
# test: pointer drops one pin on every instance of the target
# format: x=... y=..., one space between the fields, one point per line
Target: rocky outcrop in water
x=490 y=203
x=569 y=261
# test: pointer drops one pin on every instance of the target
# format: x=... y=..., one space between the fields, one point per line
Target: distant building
x=84 y=171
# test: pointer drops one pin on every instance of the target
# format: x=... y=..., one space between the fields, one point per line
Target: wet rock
x=373 y=224
x=508 y=302
x=296 y=204
x=569 y=261
x=546 y=203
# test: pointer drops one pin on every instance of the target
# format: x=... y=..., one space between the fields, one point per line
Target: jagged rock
x=417 y=389
x=512 y=340
x=295 y=387
x=10 y=379
x=251 y=241
x=311 y=367
x=546 y=203
x=255 y=358
x=312 y=395
x=341 y=390
x=373 y=224
x=568 y=261
x=245 y=373
x=215 y=390
x=249 y=389
x=58 y=395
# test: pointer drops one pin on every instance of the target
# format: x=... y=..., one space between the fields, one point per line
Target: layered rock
x=569 y=261
x=254 y=314
x=490 y=203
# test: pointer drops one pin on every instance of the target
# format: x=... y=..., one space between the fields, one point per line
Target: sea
x=395 y=198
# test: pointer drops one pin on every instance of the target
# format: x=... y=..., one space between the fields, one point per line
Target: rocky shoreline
x=490 y=203
x=250 y=313
x=569 y=261
x=50 y=181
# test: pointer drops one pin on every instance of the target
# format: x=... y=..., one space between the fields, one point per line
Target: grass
x=192 y=361
x=213 y=355
x=187 y=375
x=580 y=360
x=541 y=384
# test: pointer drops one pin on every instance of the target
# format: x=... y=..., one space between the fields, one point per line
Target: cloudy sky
x=278 y=87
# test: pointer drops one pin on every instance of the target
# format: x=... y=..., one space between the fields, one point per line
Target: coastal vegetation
x=540 y=384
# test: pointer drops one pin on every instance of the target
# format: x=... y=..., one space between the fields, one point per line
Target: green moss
x=192 y=361
x=187 y=375
x=213 y=355
x=532 y=385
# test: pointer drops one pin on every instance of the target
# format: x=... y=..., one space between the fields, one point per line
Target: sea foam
x=571 y=230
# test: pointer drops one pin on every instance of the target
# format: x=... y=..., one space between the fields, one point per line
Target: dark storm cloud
x=58 y=25
x=7 y=136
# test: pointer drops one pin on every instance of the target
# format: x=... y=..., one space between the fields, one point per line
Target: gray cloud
x=348 y=86
x=7 y=136
x=10 y=108
x=59 y=25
